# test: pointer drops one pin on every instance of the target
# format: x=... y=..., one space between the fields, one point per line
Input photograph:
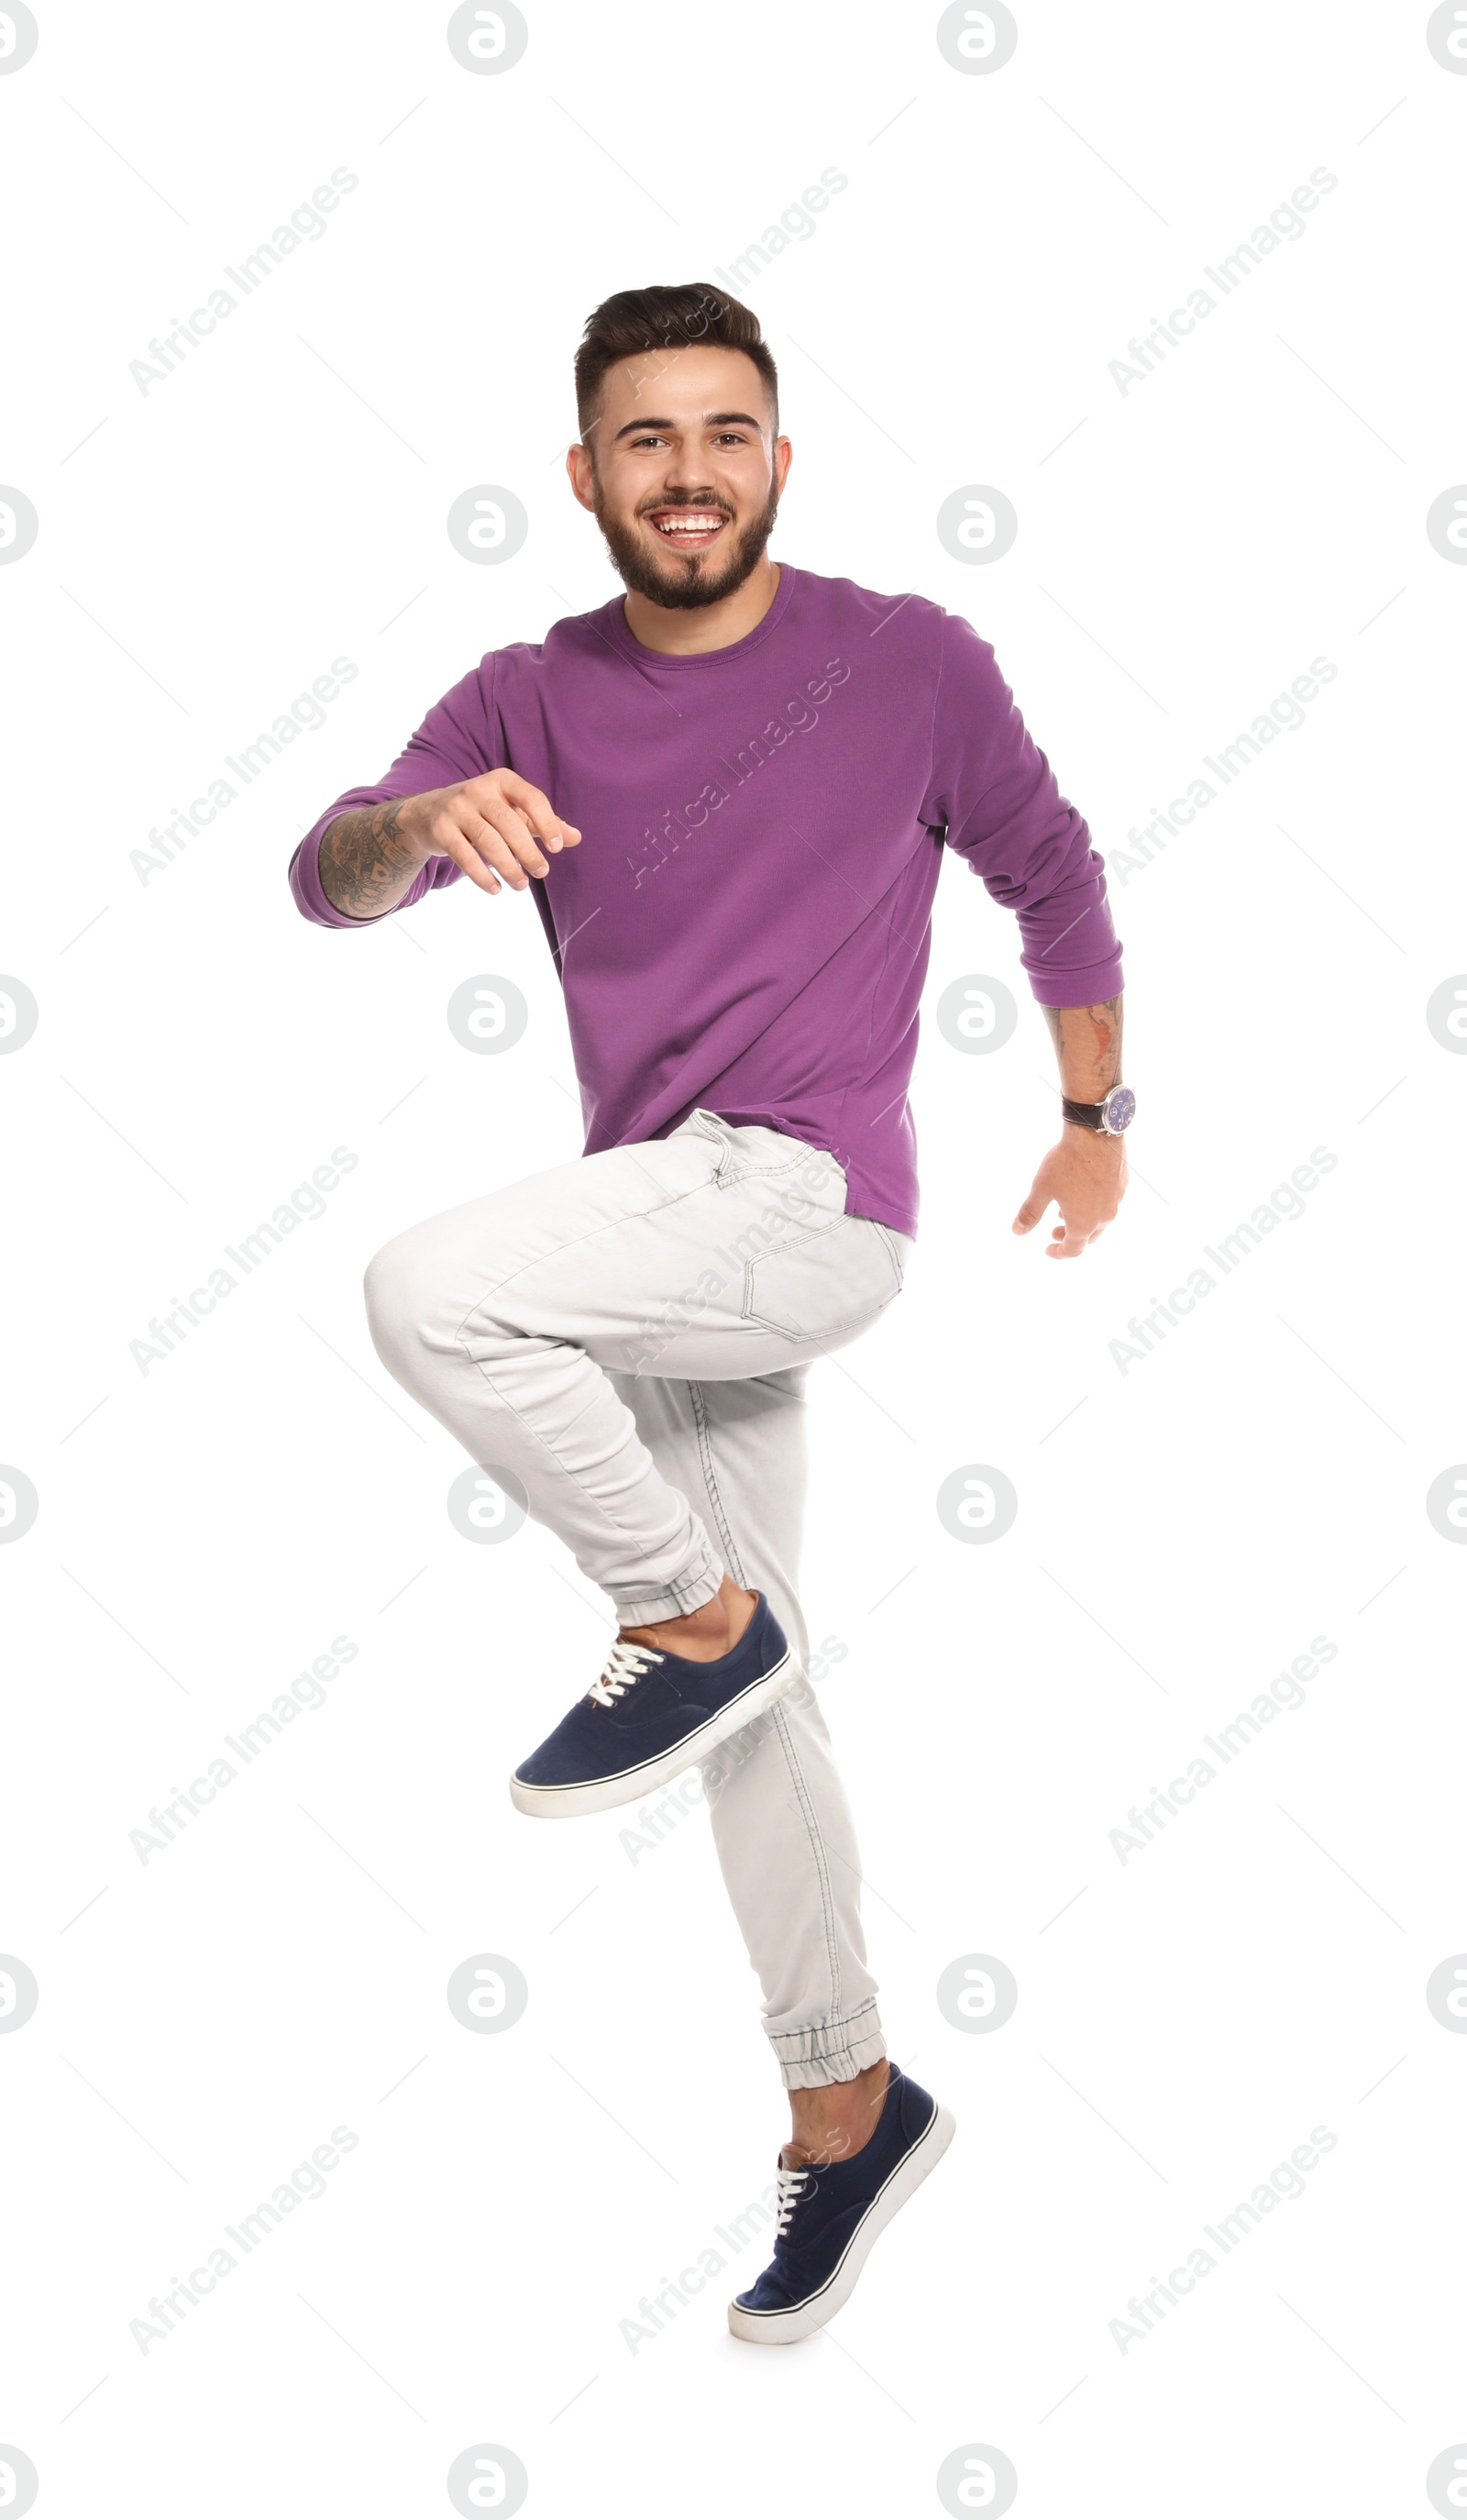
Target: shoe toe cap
x=575 y=1753
x=767 y=2292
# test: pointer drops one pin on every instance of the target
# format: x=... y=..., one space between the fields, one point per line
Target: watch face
x=1120 y=1109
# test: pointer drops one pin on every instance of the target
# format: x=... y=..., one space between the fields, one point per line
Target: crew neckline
x=655 y=658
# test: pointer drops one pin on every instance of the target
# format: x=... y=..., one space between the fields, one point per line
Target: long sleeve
x=456 y=740
x=995 y=792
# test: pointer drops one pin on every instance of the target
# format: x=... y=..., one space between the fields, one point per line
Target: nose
x=687 y=478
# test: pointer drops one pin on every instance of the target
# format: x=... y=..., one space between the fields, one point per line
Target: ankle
x=835 y=2120
x=713 y=1629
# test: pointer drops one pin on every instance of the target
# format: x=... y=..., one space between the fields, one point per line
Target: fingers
x=1084 y=1204
x=503 y=836
x=449 y=842
x=493 y=843
x=499 y=829
x=528 y=801
x=1070 y=1240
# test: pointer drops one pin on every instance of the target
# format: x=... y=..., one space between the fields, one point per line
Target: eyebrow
x=711 y=420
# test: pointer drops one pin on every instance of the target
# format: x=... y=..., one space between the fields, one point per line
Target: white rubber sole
x=609 y=1793
x=788 y=2326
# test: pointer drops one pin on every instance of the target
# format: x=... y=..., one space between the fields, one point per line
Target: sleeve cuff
x=1088 y=986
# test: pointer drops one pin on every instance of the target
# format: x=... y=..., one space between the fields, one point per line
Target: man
x=730 y=791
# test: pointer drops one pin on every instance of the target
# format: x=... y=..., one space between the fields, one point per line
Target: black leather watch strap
x=1086 y=1116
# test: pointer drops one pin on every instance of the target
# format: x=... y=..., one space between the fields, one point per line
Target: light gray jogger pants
x=627 y=1338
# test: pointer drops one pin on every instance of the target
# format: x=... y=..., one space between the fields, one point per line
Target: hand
x=492 y=827
x=1084 y=1176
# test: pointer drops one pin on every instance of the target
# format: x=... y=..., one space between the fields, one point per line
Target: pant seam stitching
x=544 y=1445
x=732 y=1559
x=835 y=2029
x=792 y=1756
x=818 y=1851
x=780 y=1720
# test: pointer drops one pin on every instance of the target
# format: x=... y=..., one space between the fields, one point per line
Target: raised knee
x=399 y=1294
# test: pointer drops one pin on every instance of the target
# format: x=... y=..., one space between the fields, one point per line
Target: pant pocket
x=821 y=1283
x=897 y=1245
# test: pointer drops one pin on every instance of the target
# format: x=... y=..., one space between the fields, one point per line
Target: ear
x=581 y=474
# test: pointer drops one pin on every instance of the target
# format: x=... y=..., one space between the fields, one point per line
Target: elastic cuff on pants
x=835 y=2053
x=688 y=1592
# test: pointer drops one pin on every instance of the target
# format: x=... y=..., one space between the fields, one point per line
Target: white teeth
x=689 y=524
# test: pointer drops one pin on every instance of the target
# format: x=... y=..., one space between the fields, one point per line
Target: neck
x=676 y=633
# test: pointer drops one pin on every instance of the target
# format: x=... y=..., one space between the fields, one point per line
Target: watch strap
x=1111 y=1116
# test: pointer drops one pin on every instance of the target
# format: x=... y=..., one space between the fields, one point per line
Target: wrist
x=408 y=832
x=1108 y=1115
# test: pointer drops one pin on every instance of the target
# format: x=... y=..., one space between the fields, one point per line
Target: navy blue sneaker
x=648 y=1717
x=830 y=2214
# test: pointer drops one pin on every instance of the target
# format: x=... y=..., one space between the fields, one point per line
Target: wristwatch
x=1110 y=1117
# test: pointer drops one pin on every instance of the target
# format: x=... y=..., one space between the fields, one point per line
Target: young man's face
x=683 y=472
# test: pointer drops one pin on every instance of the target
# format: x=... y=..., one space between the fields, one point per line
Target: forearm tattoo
x=1088 y=1045
x=365 y=862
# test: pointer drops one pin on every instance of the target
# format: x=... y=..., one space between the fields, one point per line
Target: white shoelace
x=791 y=2184
x=625 y=1664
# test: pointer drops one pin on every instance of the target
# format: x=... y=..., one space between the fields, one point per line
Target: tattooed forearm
x=367 y=861
x=1087 y=1044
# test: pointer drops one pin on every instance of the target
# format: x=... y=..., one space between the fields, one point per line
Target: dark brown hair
x=637 y=322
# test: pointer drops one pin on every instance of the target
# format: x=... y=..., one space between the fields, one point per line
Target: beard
x=685 y=583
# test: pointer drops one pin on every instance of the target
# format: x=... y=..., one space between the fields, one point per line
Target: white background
x=1185 y=1527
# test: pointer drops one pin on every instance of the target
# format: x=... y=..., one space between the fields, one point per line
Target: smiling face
x=682 y=471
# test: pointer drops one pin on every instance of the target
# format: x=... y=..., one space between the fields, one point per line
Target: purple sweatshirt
x=745 y=924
